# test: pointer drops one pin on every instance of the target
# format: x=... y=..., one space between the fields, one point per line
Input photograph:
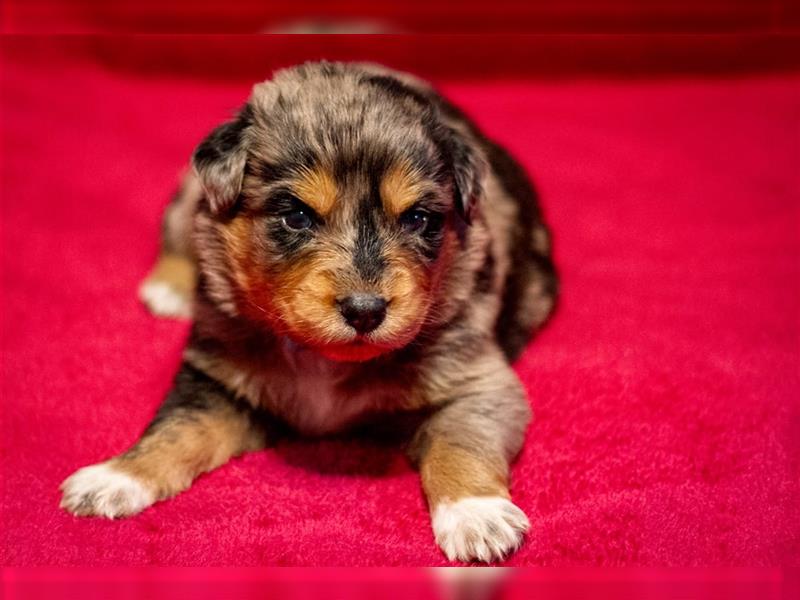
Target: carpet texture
x=666 y=388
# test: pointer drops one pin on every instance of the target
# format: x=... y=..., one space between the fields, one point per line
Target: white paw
x=102 y=491
x=164 y=300
x=479 y=528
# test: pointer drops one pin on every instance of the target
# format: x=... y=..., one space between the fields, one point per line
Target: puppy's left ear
x=469 y=168
x=220 y=161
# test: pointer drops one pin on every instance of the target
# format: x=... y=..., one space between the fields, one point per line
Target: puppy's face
x=338 y=200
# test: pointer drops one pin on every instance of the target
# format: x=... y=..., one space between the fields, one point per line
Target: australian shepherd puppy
x=349 y=246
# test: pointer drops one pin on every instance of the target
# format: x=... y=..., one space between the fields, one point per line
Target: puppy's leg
x=168 y=289
x=198 y=428
x=463 y=452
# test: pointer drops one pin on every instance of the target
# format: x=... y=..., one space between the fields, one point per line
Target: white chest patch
x=318 y=405
x=305 y=390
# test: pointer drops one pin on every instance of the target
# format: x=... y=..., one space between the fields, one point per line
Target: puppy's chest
x=315 y=401
x=310 y=393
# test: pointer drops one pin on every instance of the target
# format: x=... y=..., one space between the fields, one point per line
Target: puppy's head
x=335 y=202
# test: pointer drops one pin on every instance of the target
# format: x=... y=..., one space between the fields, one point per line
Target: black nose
x=363 y=312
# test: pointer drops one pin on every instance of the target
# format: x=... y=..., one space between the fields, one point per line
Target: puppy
x=350 y=245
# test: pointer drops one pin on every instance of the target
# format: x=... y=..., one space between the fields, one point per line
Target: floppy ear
x=469 y=168
x=220 y=160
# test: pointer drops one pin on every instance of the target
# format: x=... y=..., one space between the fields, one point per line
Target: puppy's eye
x=415 y=220
x=298 y=219
x=291 y=212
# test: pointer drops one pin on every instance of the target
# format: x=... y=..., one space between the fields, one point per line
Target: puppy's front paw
x=100 y=490
x=479 y=528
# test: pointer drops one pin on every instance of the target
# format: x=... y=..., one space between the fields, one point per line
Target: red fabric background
x=665 y=389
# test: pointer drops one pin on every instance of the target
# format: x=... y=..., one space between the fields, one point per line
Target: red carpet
x=666 y=388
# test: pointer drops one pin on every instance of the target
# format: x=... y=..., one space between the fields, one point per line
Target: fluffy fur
x=334 y=184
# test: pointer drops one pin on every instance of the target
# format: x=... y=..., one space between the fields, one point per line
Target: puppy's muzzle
x=363 y=312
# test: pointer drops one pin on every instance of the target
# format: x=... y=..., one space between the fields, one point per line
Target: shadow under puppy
x=349 y=245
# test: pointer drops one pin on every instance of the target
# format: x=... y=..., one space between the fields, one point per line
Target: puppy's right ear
x=220 y=161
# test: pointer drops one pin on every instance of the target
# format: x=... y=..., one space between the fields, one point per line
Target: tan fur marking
x=317 y=188
x=306 y=298
x=176 y=270
x=450 y=473
x=236 y=236
x=179 y=450
x=408 y=290
x=401 y=187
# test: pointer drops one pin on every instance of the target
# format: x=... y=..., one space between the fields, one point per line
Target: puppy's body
x=357 y=248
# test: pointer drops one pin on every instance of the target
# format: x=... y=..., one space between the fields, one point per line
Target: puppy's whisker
x=258 y=306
